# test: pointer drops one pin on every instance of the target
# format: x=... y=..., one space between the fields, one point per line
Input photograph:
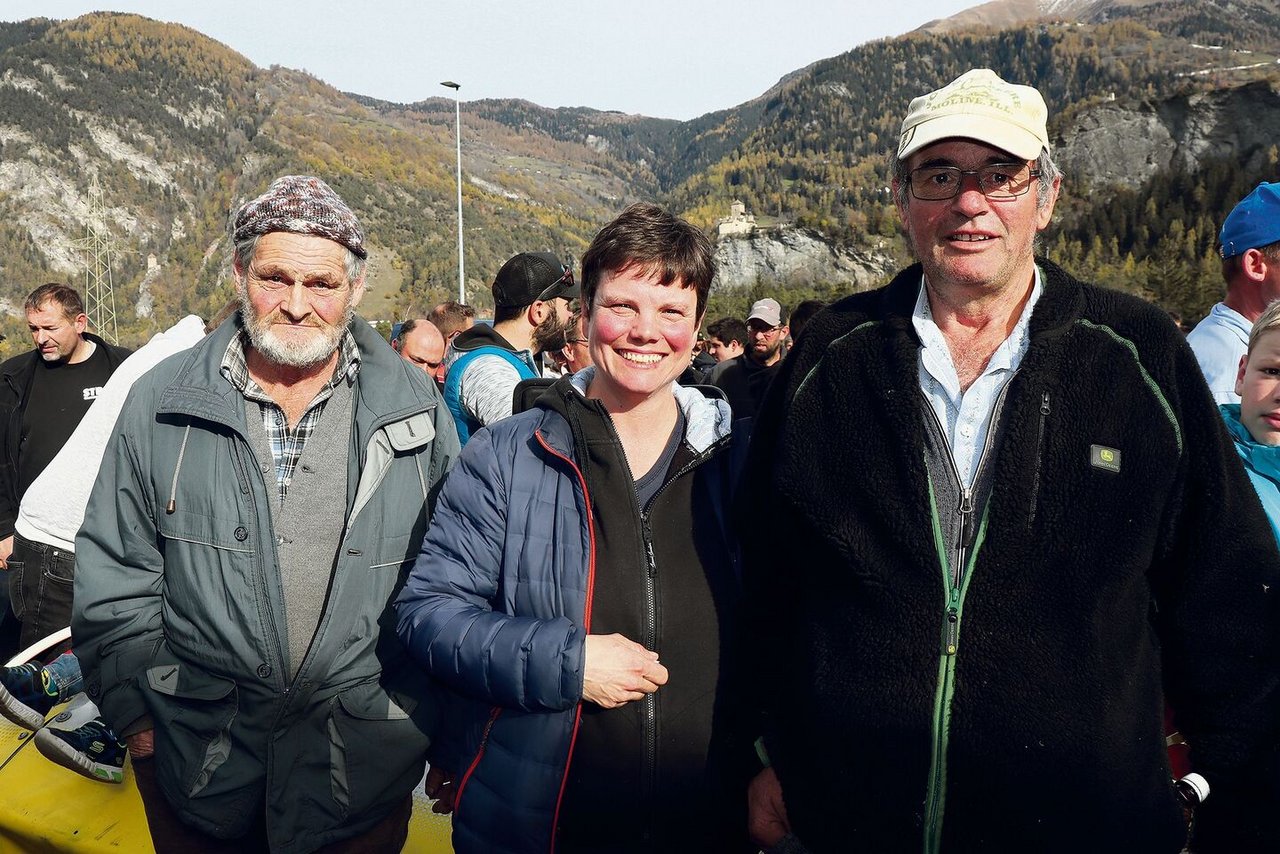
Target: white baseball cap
x=978 y=105
x=767 y=310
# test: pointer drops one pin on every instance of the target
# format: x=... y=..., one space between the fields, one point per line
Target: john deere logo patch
x=1102 y=457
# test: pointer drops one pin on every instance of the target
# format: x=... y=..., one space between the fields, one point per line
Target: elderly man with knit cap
x=256 y=506
x=1013 y=527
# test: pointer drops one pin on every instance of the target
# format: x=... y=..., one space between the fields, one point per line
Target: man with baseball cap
x=531 y=294
x=256 y=504
x=744 y=378
x=1012 y=525
x=1250 y=250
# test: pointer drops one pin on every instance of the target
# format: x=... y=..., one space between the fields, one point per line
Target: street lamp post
x=457 y=105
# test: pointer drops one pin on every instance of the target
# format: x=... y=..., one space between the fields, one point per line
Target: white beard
x=292 y=353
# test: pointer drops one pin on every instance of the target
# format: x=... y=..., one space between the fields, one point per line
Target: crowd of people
x=926 y=569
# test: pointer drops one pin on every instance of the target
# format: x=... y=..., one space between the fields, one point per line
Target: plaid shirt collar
x=287 y=444
x=235 y=367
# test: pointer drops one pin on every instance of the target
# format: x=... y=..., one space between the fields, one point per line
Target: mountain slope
x=177 y=129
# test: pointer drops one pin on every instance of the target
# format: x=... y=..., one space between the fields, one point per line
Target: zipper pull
x=953 y=630
x=648 y=549
x=1044 y=404
x=966 y=511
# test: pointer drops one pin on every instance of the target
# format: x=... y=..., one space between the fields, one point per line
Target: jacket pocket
x=193 y=712
x=396 y=550
x=376 y=751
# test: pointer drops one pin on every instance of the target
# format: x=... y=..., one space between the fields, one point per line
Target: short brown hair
x=66 y=297
x=647 y=237
x=1231 y=267
x=728 y=330
x=450 y=317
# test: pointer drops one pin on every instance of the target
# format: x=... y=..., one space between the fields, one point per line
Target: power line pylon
x=100 y=295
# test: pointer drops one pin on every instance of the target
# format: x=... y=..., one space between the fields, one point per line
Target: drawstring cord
x=173 y=489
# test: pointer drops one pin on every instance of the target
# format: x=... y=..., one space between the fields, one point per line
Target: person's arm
x=8 y=476
x=770 y=608
x=488 y=383
x=1217 y=589
x=445 y=613
x=116 y=618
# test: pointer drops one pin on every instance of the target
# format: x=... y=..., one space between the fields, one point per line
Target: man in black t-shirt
x=43 y=396
x=743 y=379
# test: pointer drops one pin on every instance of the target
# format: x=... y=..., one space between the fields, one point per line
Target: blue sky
x=668 y=58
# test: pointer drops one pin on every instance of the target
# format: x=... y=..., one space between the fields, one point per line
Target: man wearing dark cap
x=1249 y=244
x=256 y=504
x=1013 y=527
x=531 y=296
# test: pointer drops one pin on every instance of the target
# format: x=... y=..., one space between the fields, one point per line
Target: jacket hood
x=707 y=420
x=479 y=335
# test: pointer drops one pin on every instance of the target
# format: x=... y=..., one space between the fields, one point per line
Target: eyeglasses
x=998 y=181
x=566 y=278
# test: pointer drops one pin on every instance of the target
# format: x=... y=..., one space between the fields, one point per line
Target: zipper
x=1035 y=477
x=484 y=742
x=586 y=626
x=935 y=798
x=649 y=772
x=955 y=581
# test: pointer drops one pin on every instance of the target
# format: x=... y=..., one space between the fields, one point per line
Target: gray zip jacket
x=179 y=614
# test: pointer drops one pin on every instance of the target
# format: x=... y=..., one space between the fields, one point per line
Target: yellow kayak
x=47 y=808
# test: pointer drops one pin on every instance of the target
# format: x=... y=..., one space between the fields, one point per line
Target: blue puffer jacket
x=512 y=535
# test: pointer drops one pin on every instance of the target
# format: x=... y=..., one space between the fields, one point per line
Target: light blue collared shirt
x=966 y=416
x=1218 y=342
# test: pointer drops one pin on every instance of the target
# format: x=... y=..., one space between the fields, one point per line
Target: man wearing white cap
x=744 y=378
x=1249 y=244
x=1012 y=525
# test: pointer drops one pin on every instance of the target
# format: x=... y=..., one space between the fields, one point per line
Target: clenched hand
x=619 y=670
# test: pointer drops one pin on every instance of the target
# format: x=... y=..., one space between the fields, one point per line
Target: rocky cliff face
x=1126 y=144
x=792 y=255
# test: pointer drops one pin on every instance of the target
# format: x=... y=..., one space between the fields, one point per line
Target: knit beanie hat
x=301 y=204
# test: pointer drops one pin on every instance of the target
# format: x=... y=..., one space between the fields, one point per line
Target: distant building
x=152 y=262
x=737 y=223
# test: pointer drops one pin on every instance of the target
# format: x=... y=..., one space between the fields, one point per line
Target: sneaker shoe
x=27 y=694
x=79 y=740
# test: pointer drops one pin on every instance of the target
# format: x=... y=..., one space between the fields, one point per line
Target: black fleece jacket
x=1122 y=560
x=655 y=774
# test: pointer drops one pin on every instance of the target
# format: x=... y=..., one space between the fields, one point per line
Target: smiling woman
x=612 y=491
